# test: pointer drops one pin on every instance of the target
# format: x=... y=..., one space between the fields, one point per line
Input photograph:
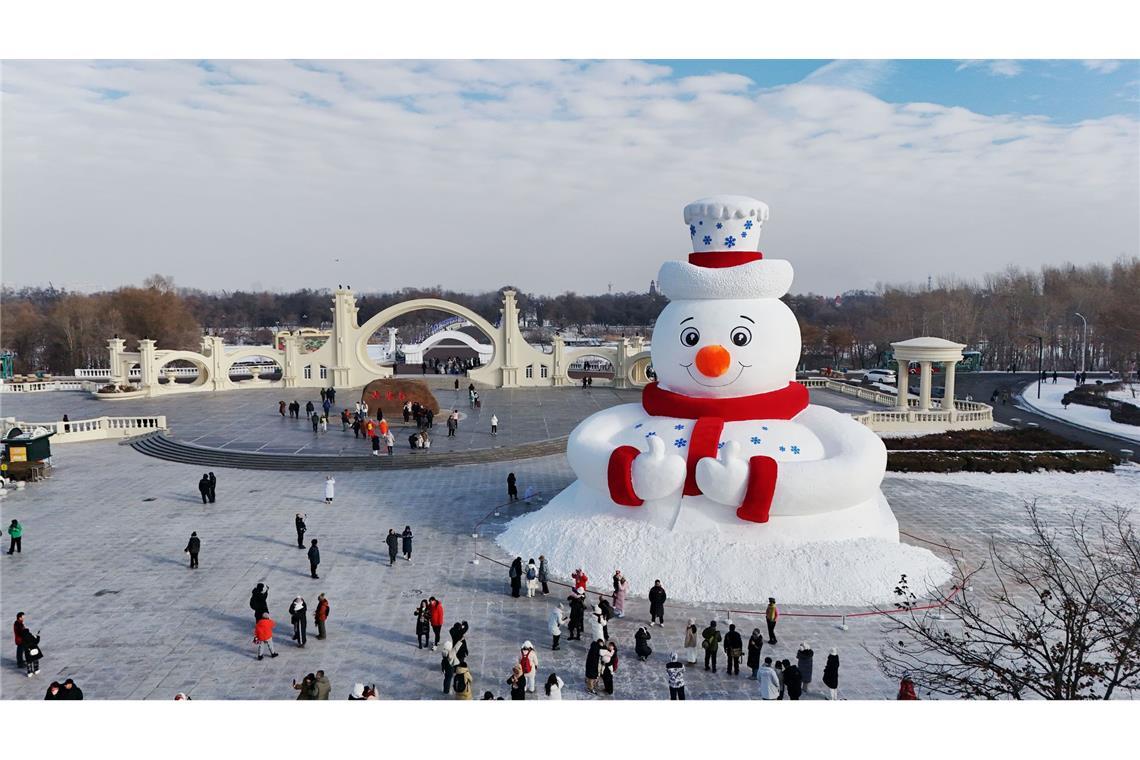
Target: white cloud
x=856 y=75
x=548 y=175
x=1002 y=67
x=1101 y=67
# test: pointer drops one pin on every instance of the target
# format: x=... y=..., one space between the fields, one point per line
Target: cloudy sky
x=557 y=176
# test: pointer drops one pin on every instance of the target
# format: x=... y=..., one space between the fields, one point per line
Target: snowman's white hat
x=726 y=261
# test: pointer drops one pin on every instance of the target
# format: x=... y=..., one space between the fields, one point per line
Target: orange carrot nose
x=713 y=361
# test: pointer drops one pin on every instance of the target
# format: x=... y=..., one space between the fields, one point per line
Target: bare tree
x=1059 y=617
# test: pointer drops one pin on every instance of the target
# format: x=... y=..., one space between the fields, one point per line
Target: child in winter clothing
x=528 y=662
x=531 y=578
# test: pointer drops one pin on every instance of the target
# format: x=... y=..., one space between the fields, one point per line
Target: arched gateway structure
x=343 y=361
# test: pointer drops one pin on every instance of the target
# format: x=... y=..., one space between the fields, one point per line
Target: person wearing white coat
x=598 y=623
x=769 y=681
x=554 y=686
x=556 y=620
x=528 y=657
x=330 y=489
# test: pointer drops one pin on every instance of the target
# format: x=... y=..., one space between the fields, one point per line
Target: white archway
x=413 y=354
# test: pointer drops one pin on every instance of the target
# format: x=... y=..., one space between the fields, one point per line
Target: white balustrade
x=96 y=429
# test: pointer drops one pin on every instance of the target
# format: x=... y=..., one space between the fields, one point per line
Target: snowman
x=725 y=439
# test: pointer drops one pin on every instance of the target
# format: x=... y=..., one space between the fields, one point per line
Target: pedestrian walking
x=462 y=683
x=406 y=542
x=204 y=488
x=390 y=442
x=447 y=664
x=316 y=420
x=393 y=542
x=452 y=423
x=531 y=578
x=309 y=408
x=16 y=537
x=805 y=662
x=512 y=487
x=259 y=601
x=543 y=574
x=906 y=686
x=769 y=681
x=330 y=488
x=657 y=599
x=554 y=684
x=598 y=623
x=771 y=615
x=710 y=641
x=314 y=558
x=193 y=546
x=375 y=441
x=594 y=665
x=494 y=424
x=436 y=607
x=555 y=622
x=755 y=648
x=675 y=673
x=831 y=673
x=691 y=641
x=733 y=649
x=263 y=635
x=213 y=487
x=793 y=680
x=20 y=633
x=307 y=687
x=609 y=666
x=33 y=653
x=297 y=616
x=423 y=625
x=620 y=587
x=641 y=644
x=779 y=667
x=517 y=683
x=528 y=662
x=299 y=522
x=607 y=615
x=577 y=616
x=515 y=574
x=281 y=408
x=324 y=688
x=321 y=614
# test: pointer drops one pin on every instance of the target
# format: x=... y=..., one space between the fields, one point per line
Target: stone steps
x=160 y=446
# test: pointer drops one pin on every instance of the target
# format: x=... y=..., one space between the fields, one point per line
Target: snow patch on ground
x=1108 y=489
x=1085 y=416
x=712 y=567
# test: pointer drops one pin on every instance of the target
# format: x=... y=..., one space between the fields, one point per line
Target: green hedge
x=999 y=461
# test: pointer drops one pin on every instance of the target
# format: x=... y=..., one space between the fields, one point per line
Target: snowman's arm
x=850 y=472
x=591 y=444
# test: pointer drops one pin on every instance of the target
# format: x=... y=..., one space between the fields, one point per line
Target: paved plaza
x=102 y=574
x=248 y=420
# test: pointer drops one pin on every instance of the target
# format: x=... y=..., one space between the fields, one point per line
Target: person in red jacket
x=906 y=688
x=436 y=608
x=263 y=634
x=321 y=615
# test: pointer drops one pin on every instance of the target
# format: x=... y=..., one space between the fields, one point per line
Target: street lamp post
x=1084 y=339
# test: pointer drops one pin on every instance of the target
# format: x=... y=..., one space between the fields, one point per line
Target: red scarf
x=710 y=415
x=774 y=405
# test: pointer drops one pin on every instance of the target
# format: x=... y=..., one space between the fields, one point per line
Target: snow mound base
x=718 y=565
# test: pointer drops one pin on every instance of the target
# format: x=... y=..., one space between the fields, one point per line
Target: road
x=982 y=384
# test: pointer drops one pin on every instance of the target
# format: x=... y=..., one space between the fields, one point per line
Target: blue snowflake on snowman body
x=795 y=449
x=720 y=445
x=707 y=239
x=692 y=230
x=680 y=443
x=729 y=241
x=755 y=441
x=650 y=433
x=719 y=225
x=635 y=427
x=748 y=224
x=678 y=427
x=783 y=449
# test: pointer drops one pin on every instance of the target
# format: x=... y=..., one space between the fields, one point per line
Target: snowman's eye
x=690 y=336
x=741 y=336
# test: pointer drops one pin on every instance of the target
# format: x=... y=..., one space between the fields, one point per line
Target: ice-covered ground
x=1085 y=416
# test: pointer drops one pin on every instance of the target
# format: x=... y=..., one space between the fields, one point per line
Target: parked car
x=886 y=376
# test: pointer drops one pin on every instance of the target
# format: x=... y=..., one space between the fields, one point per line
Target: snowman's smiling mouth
x=689 y=369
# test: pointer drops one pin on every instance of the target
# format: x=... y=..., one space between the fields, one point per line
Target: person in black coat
x=593 y=659
x=204 y=488
x=213 y=487
x=516 y=577
x=641 y=644
x=657 y=599
x=193 y=546
x=71 y=690
x=314 y=558
x=259 y=601
x=733 y=648
x=407 y=542
x=831 y=674
x=32 y=652
x=458 y=632
x=393 y=541
x=54 y=692
x=793 y=680
x=512 y=487
x=577 y=616
x=755 y=647
x=299 y=522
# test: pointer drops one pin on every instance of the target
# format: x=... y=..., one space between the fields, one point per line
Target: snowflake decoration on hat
x=707 y=239
x=729 y=241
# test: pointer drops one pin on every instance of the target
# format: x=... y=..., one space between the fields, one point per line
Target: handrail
x=94 y=429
